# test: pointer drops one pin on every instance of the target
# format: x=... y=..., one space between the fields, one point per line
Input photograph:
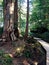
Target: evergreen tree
x=27 y=20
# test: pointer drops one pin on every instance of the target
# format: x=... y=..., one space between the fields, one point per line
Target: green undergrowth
x=5 y=59
x=30 y=49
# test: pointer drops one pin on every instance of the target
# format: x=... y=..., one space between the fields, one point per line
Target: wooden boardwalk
x=46 y=47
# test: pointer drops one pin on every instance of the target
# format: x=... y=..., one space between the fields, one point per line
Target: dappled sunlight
x=44 y=43
x=11 y=8
x=35 y=63
x=47 y=62
x=1 y=0
x=46 y=46
x=1 y=14
x=11 y=55
x=24 y=19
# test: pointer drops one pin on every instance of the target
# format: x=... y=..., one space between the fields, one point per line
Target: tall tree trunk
x=16 y=18
x=6 y=17
x=4 y=14
x=9 y=20
x=27 y=20
x=16 y=13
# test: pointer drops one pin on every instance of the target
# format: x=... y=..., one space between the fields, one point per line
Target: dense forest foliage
x=38 y=22
x=21 y=22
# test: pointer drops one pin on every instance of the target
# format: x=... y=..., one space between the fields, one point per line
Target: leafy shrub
x=39 y=30
x=5 y=59
x=45 y=36
x=1 y=30
x=1 y=52
x=22 y=33
x=34 y=52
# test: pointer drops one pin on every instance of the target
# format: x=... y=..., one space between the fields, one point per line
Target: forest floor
x=9 y=48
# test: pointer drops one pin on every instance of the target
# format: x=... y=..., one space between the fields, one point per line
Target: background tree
x=27 y=20
x=16 y=32
x=40 y=19
x=39 y=14
x=21 y=16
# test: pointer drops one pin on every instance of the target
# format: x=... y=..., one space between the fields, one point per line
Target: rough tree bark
x=16 y=31
x=9 y=20
x=4 y=12
x=16 y=13
x=27 y=20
